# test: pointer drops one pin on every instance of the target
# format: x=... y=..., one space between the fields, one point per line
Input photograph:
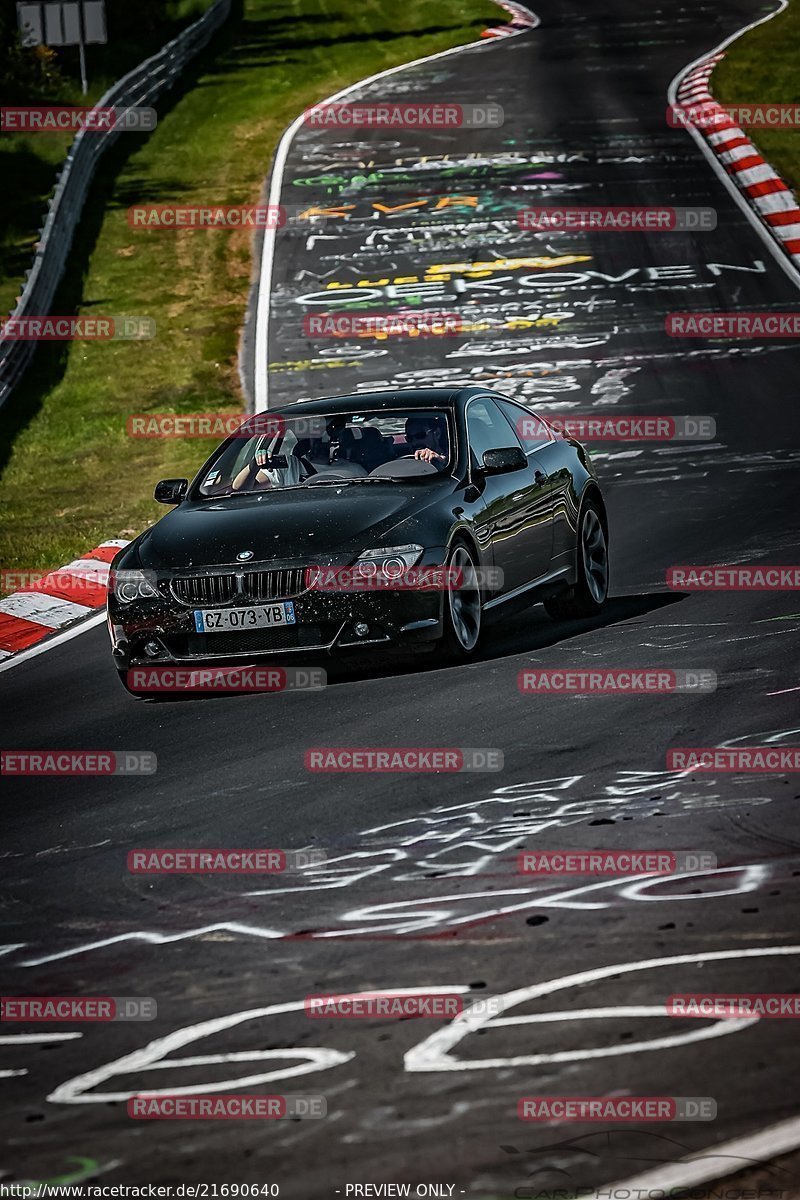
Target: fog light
x=152 y=649
x=362 y=629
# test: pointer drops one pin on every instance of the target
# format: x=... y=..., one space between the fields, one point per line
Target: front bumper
x=326 y=623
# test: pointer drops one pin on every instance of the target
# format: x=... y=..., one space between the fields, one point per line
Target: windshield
x=276 y=451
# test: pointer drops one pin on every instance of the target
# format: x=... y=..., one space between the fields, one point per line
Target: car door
x=542 y=446
x=515 y=518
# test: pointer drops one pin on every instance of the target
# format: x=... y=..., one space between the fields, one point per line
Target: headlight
x=390 y=562
x=134 y=585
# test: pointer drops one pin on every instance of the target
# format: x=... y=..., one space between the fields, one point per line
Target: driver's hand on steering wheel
x=427 y=455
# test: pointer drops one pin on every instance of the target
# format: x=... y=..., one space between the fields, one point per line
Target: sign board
x=59 y=23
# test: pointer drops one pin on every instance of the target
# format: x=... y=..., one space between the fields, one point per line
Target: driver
x=429 y=437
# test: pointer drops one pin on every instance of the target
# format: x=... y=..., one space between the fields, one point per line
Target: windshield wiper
x=326 y=481
x=312 y=481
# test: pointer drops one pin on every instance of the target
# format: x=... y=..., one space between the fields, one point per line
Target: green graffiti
x=84 y=1169
x=480 y=170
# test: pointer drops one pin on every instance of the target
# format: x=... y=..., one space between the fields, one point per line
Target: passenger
x=271 y=466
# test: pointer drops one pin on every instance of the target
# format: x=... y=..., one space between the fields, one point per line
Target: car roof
x=396 y=398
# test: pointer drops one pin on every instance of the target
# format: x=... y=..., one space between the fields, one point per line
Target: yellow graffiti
x=524 y=323
x=389 y=208
x=444 y=272
x=465 y=201
x=455 y=200
x=310 y=364
x=445 y=329
x=479 y=269
x=340 y=210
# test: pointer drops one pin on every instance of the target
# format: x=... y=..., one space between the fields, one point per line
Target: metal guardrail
x=139 y=88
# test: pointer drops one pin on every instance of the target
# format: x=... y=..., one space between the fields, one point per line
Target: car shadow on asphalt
x=522 y=633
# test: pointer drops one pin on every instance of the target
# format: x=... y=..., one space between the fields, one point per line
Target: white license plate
x=260 y=616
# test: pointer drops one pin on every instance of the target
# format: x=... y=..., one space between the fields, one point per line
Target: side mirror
x=170 y=491
x=500 y=462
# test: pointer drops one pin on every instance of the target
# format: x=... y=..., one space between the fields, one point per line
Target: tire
x=462 y=609
x=590 y=592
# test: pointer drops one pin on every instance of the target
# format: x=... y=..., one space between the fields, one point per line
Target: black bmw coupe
x=392 y=518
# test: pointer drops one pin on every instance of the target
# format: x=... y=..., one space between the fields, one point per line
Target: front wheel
x=590 y=592
x=462 y=607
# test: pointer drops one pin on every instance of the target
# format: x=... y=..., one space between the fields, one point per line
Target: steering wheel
x=393 y=468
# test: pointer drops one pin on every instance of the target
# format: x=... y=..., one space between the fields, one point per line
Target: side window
x=228 y=465
x=487 y=429
x=532 y=432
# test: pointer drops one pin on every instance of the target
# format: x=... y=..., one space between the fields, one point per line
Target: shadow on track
x=527 y=631
x=522 y=633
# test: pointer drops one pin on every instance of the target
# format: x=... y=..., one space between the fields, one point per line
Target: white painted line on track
x=433 y=1053
x=95 y=568
x=715 y=1162
x=52 y=642
x=775 y=248
x=43 y=609
x=23 y=612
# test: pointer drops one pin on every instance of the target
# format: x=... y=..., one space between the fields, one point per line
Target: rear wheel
x=462 y=607
x=590 y=592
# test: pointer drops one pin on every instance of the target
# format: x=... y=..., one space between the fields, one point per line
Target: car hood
x=305 y=525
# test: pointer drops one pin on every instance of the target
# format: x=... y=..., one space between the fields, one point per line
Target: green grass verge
x=70 y=474
x=764 y=65
x=33 y=161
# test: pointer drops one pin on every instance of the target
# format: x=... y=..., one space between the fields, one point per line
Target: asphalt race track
x=420 y=888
